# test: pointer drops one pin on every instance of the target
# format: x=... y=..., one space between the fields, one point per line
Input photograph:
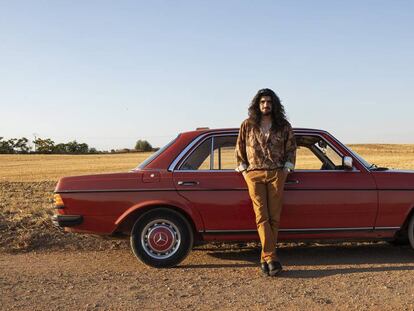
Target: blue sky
x=110 y=72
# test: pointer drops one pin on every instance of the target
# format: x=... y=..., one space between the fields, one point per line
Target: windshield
x=155 y=155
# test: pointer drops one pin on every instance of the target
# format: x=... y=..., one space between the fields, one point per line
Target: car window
x=200 y=158
x=224 y=152
x=306 y=159
x=315 y=153
x=214 y=153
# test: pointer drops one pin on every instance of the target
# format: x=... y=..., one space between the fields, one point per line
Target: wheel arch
x=127 y=220
x=403 y=231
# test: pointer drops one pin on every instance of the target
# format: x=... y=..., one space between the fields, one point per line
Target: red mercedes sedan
x=189 y=192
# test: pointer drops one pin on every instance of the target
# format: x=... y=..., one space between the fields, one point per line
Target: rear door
x=207 y=179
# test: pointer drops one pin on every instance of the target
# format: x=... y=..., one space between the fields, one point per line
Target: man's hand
x=285 y=174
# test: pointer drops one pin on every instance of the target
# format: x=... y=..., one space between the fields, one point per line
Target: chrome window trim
x=184 y=151
x=204 y=138
x=297 y=171
x=212 y=153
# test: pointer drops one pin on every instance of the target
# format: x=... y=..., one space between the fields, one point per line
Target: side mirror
x=347 y=162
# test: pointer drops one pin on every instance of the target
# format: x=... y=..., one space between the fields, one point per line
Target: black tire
x=399 y=242
x=162 y=238
x=411 y=231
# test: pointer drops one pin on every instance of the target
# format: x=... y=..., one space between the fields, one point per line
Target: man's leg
x=275 y=189
x=258 y=194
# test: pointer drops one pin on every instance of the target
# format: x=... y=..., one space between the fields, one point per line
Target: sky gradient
x=111 y=72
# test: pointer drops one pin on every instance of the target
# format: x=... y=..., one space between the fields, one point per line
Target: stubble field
x=40 y=265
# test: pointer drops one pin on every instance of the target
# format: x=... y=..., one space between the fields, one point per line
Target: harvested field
x=27 y=183
x=45 y=268
x=26 y=187
x=39 y=167
x=400 y=156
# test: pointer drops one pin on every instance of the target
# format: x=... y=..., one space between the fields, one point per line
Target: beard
x=266 y=113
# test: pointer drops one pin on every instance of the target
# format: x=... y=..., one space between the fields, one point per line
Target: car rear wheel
x=411 y=231
x=161 y=238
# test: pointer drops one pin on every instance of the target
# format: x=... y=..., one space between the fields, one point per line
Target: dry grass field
x=51 y=167
x=399 y=156
x=27 y=183
x=26 y=187
x=44 y=268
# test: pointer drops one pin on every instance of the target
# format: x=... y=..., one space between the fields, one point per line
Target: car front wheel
x=161 y=238
x=411 y=231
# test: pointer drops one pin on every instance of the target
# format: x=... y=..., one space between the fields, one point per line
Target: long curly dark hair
x=278 y=111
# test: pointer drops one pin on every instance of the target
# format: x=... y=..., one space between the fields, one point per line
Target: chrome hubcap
x=160 y=239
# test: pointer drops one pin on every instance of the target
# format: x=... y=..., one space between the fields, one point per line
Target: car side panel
x=103 y=212
x=105 y=200
x=395 y=196
x=394 y=207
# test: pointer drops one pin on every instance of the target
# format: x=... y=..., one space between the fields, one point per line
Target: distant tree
x=83 y=148
x=60 y=149
x=71 y=147
x=6 y=146
x=143 y=145
x=44 y=145
x=75 y=147
x=20 y=146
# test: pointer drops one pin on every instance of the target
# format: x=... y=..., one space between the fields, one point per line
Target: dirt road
x=349 y=276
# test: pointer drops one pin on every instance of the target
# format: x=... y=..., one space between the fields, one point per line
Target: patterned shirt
x=255 y=151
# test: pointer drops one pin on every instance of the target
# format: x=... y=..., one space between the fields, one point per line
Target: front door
x=322 y=194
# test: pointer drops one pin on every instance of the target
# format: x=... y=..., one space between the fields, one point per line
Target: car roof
x=163 y=160
x=235 y=129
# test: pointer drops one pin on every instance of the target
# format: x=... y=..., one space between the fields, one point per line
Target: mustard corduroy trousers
x=266 y=192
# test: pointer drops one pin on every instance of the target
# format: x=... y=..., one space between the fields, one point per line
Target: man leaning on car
x=266 y=153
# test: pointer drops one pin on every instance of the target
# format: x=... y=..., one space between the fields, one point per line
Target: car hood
x=394 y=179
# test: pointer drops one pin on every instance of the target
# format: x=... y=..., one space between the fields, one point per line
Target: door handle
x=291 y=182
x=188 y=183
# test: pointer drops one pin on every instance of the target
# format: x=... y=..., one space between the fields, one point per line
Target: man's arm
x=241 y=155
x=290 y=149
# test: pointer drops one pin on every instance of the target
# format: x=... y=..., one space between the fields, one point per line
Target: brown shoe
x=274 y=268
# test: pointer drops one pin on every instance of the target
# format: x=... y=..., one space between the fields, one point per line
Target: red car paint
x=356 y=203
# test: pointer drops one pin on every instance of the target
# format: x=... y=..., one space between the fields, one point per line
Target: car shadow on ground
x=353 y=255
x=319 y=273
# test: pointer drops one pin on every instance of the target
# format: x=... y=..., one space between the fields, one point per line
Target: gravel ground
x=350 y=276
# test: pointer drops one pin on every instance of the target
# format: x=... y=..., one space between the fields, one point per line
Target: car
x=188 y=192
